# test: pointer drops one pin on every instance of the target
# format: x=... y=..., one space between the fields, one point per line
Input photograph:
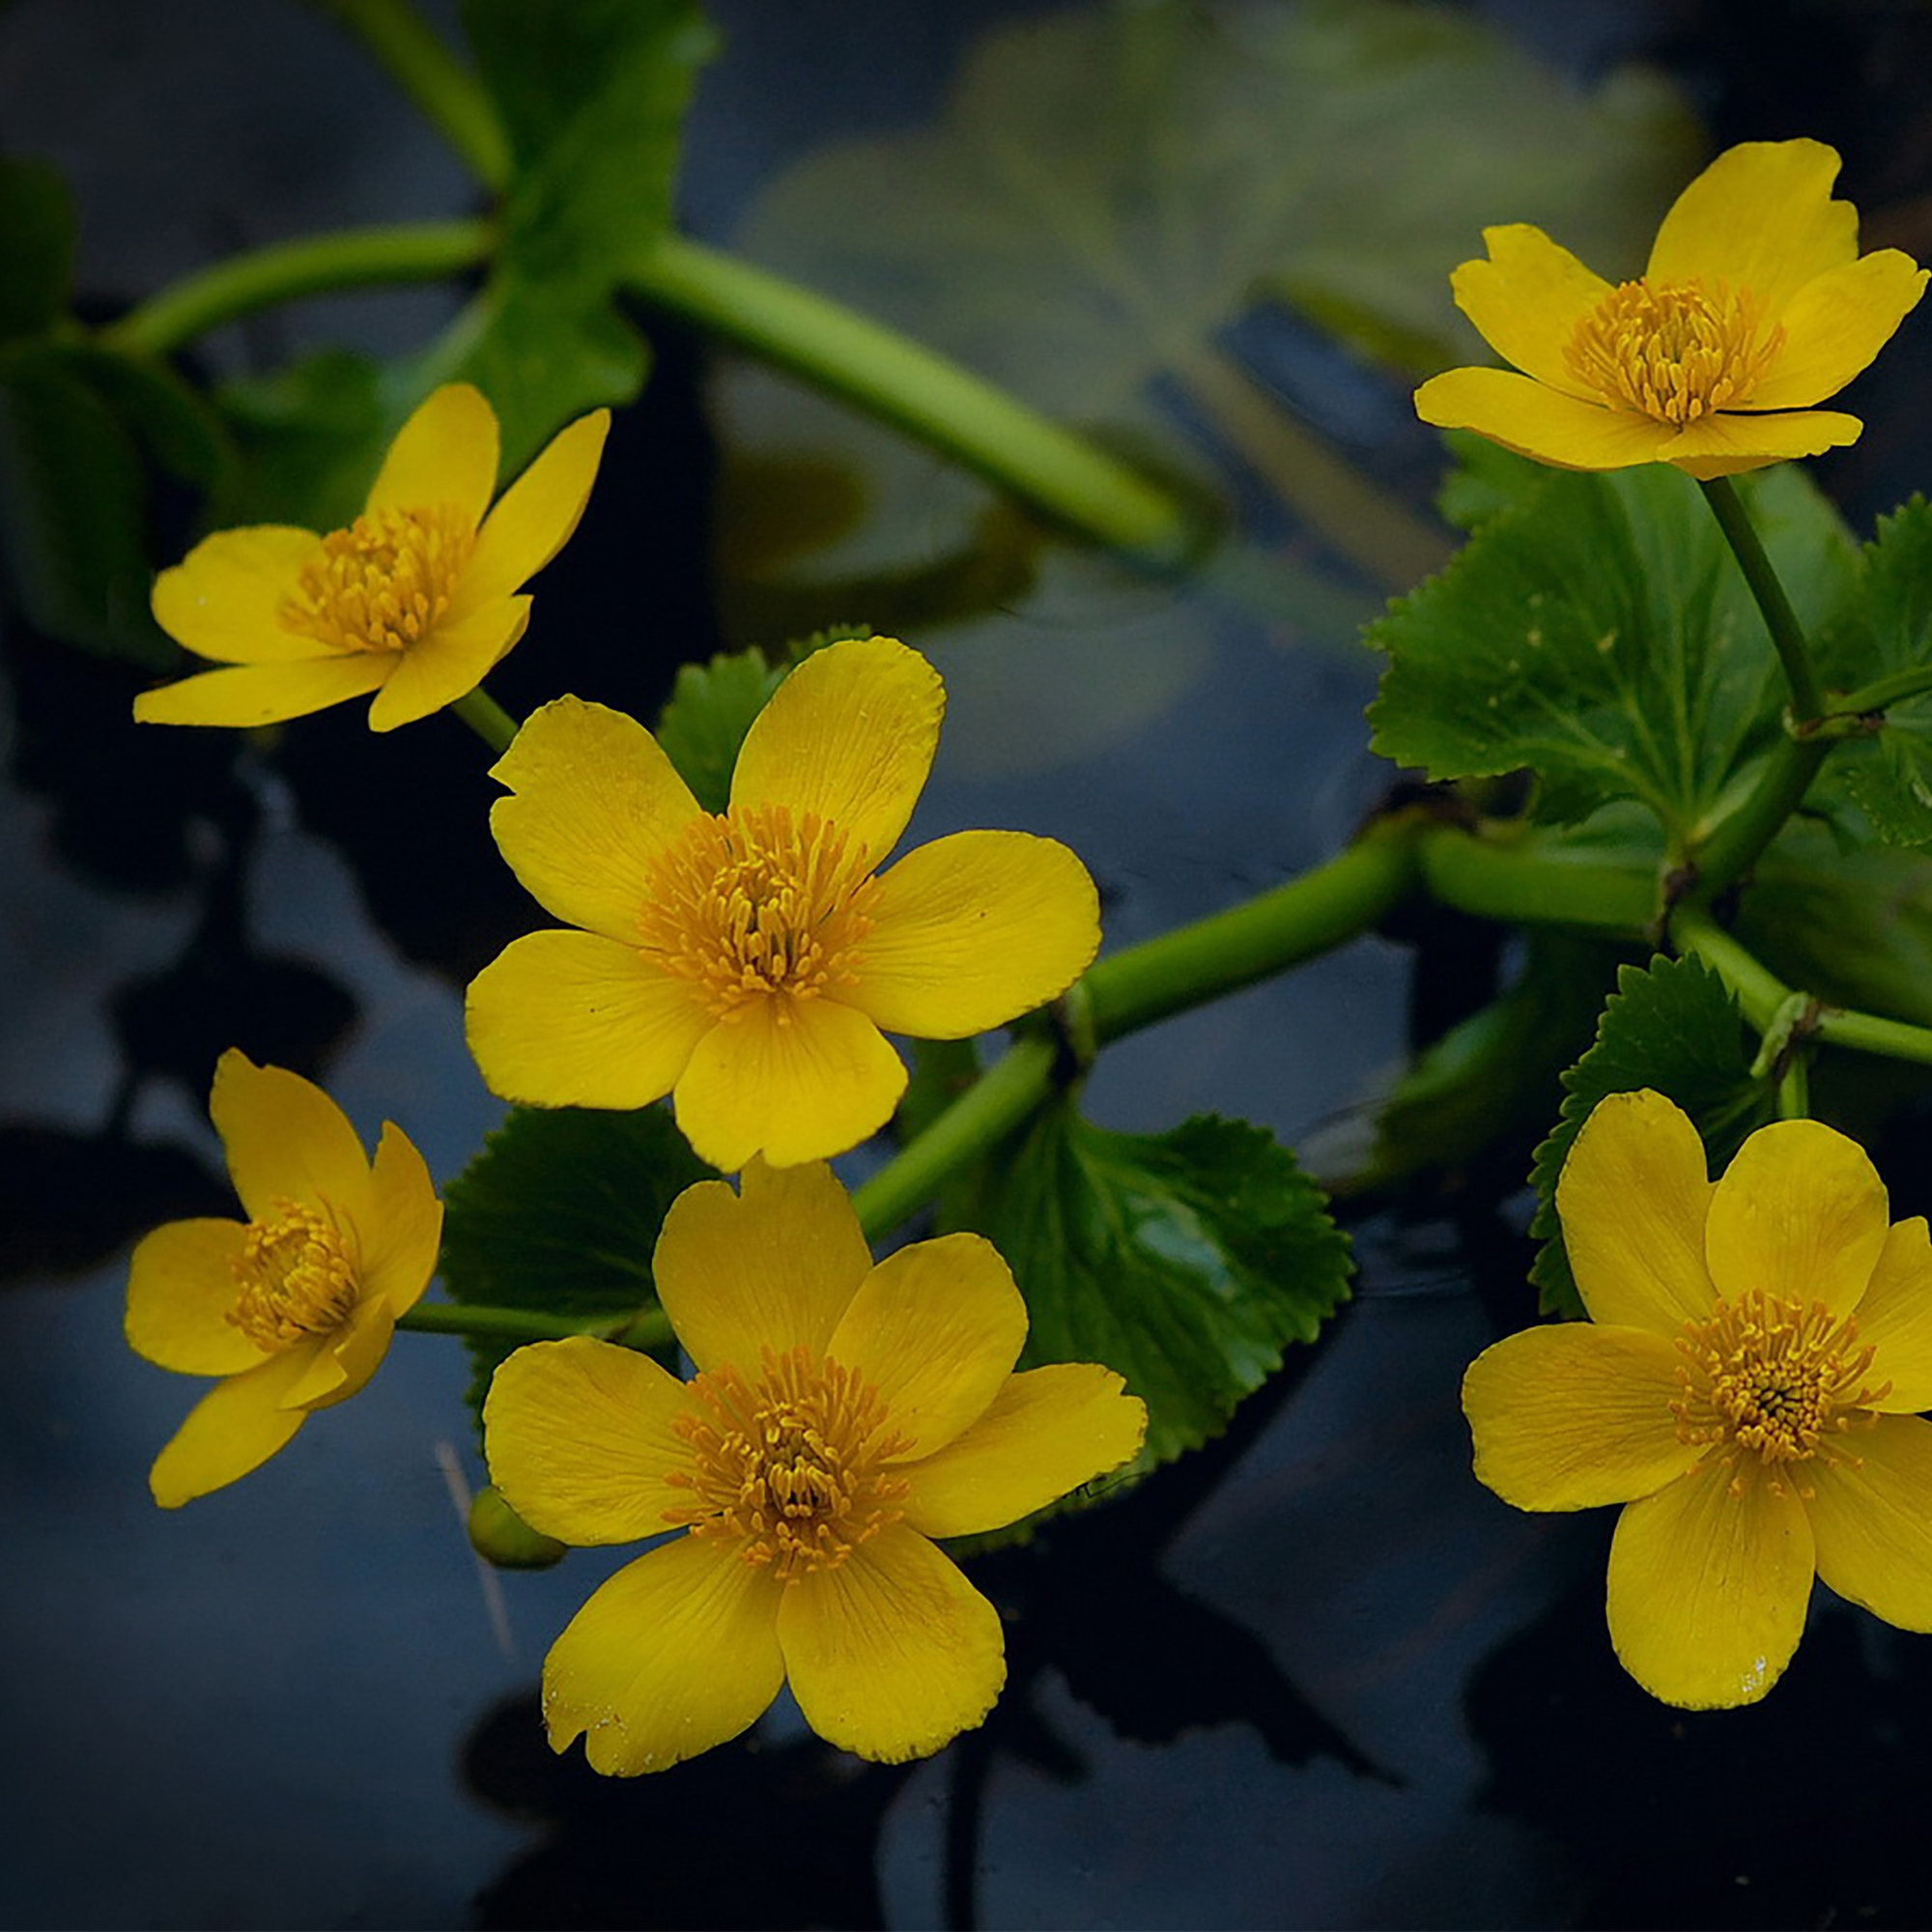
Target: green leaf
x=1601 y=635
x=1671 y=1027
x=704 y=721
x=1889 y=629
x=35 y=248
x=310 y=440
x=1186 y=1261
x=1891 y=784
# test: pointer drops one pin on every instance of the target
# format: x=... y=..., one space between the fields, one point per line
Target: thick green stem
x=483 y=1324
x=424 y=251
x=486 y=718
x=1787 y=634
x=1737 y=844
x=1515 y=888
x=1758 y=991
x=979 y=426
x=1881 y=693
x=424 y=67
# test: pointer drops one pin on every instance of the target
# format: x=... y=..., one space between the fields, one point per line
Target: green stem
x=424 y=251
x=1737 y=841
x=423 y=67
x=486 y=718
x=979 y=426
x=1881 y=693
x=483 y=1324
x=1787 y=634
x=1501 y=882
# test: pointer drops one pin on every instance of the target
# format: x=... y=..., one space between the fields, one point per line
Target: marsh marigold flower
x=415 y=599
x=1754 y=306
x=294 y=1307
x=746 y=960
x=841 y=1415
x=1747 y=1385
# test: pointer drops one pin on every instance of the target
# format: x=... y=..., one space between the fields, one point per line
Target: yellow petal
x=1708 y=1590
x=594 y=801
x=1047 y=1431
x=181 y=1287
x=676 y=1653
x=1524 y=415
x=1726 y=445
x=235 y=1428
x=849 y=735
x=535 y=515
x=774 y=1266
x=447 y=662
x=345 y=1361
x=264 y=694
x=405 y=1232
x=936 y=1329
x=224 y=598
x=287 y=1140
x=1800 y=1214
x=1837 y=322
x=1632 y=1198
x=1871 y=1513
x=1895 y=1317
x=1759 y=218
x=793 y=1081
x=570 y=1019
x=892 y=1653
x=973 y=930
x=1573 y=1416
x=446 y=453
x=1527 y=299
x=580 y=1437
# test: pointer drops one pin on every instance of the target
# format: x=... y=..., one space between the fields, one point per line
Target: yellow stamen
x=383 y=583
x=1674 y=350
x=790 y=1466
x=751 y=903
x=295 y=1278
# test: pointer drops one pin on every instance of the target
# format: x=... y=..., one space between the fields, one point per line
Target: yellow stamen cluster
x=1775 y=1377
x=752 y=902
x=790 y=1465
x=1674 y=350
x=383 y=583
x=295 y=1278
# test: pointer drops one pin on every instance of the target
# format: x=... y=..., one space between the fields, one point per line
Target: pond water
x=1314 y=1675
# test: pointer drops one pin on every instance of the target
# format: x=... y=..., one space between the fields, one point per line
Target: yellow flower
x=294 y=1307
x=841 y=1415
x=1756 y=306
x=746 y=959
x=1748 y=1384
x=415 y=601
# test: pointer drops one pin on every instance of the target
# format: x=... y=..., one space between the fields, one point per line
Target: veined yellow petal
x=675 y=1653
x=1708 y=1590
x=262 y=694
x=1800 y=1214
x=287 y=1140
x=893 y=1652
x=580 y=1437
x=446 y=663
x=181 y=1287
x=535 y=515
x=405 y=1232
x=235 y=1428
x=1835 y=324
x=1632 y=1198
x=1045 y=1432
x=1573 y=1415
x=224 y=598
x=1726 y=445
x=345 y=1361
x=594 y=800
x=973 y=930
x=1759 y=218
x=1522 y=415
x=572 y=1019
x=446 y=453
x=774 y=1266
x=1895 y=1317
x=794 y=1081
x=936 y=1329
x=1871 y=1514
x=850 y=736
x=1527 y=299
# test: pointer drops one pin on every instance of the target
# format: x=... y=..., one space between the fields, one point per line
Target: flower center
x=752 y=902
x=1773 y=1376
x=382 y=582
x=791 y=1467
x=1673 y=351
x=295 y=1278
